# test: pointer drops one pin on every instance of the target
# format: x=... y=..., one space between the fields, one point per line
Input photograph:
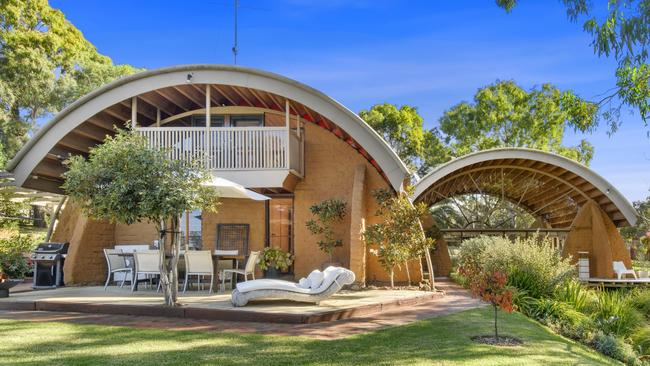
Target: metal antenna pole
x=235 y=48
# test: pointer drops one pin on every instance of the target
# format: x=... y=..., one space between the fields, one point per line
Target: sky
x=429 y=54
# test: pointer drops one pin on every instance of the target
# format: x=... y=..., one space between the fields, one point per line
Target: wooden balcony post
x=287 y=126
x=208 y=102
x=134 y=113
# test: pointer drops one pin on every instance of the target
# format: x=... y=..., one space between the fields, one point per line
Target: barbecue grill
x=48 y=259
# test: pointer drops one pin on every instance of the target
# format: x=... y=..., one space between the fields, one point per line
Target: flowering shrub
x=490 y=286
x=13 y=251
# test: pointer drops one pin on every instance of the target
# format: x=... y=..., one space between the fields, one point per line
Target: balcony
x=255 y=157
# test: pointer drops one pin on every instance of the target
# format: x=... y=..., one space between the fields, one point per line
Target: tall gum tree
x=45 y=64
x=622 y=31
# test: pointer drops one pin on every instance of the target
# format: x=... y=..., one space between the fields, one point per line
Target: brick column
x=358 y=224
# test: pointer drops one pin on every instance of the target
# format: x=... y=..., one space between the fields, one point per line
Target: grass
x=443 y=341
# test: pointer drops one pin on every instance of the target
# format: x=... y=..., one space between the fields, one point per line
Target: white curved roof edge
x=623 y=205
x=85 y=107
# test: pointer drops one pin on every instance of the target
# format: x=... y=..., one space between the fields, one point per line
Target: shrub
x=640 y=300
x=574 y=294
x=276 y=258
x=613 y=313
x=615 y=348
x=327 y=214
x=532 y=264
x=12 y=255
x=641 y=340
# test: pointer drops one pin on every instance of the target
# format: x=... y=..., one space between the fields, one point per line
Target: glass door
x=281 y=223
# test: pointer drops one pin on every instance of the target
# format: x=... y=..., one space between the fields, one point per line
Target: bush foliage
x=614 y=322
x=13 y=251
x=533 y=266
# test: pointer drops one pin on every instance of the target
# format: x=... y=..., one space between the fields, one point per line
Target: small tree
x=490 y=286
x=400 y=237
x=327 y=214
x=125 y=181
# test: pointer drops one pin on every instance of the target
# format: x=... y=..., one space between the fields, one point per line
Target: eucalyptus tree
x=622 y=32
x=125 y=181
x=504 y=114
x=45 y=64
x=403 y=129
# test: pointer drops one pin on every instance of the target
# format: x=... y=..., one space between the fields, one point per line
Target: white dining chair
x=116 y=264
x=198 y=263
x=147 y=263
x=249 y=269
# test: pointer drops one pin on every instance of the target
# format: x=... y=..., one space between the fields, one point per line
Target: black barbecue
x=48 y=261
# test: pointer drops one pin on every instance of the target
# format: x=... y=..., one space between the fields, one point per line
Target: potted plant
x=273 y=261
x=327 y=214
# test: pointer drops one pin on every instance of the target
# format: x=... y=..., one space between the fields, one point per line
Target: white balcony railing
x=230 y=148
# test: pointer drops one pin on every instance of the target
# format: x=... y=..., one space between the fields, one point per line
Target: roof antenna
x=235 y=48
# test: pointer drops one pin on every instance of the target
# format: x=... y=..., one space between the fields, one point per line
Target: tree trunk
x=421 y=269
x=408 y=272
x=392 y=277
x=496 y=331
x=169 y=264
x=427 y=254
x=432 y=280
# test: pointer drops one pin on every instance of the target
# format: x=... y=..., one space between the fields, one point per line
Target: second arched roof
x=550 y=186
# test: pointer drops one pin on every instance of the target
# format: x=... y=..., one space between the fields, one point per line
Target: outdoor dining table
x=215 y=259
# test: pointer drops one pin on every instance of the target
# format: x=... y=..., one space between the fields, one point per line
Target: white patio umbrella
x=230 y=189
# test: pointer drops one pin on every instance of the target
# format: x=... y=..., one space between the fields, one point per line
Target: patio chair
x=334 y=278
x=621 y=270
x=249 y=269
x=198 y=263
x=146 y=263
x=116 y=264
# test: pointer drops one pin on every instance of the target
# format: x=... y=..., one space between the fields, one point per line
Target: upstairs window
x=254 y=120
x=198 y=120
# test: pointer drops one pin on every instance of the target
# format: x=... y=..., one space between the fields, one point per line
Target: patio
x=93 y=299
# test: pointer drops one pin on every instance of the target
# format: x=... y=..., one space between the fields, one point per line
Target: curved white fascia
x=623 y=205
x=36 y=149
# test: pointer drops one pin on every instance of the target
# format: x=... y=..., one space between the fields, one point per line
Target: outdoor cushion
x=329 y=275
x=315 y=278
x=271 y=284
x=304 y=283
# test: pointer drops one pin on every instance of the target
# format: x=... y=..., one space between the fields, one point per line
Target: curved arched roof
x=76 y=127
x=550 y=186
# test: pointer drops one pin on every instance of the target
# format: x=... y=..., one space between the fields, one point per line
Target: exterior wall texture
x=333 y=169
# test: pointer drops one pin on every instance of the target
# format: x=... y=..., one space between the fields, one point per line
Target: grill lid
x=52 y=248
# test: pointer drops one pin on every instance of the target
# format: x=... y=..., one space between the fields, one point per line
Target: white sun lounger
x=333 y=280
x=621 y=270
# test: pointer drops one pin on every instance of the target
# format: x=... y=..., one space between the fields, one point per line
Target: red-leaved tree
x=490 y=286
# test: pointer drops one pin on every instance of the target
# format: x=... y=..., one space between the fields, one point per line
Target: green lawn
x=443 y=341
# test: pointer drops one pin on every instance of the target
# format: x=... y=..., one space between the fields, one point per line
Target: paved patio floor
x=202 y=300
x=456 y=299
